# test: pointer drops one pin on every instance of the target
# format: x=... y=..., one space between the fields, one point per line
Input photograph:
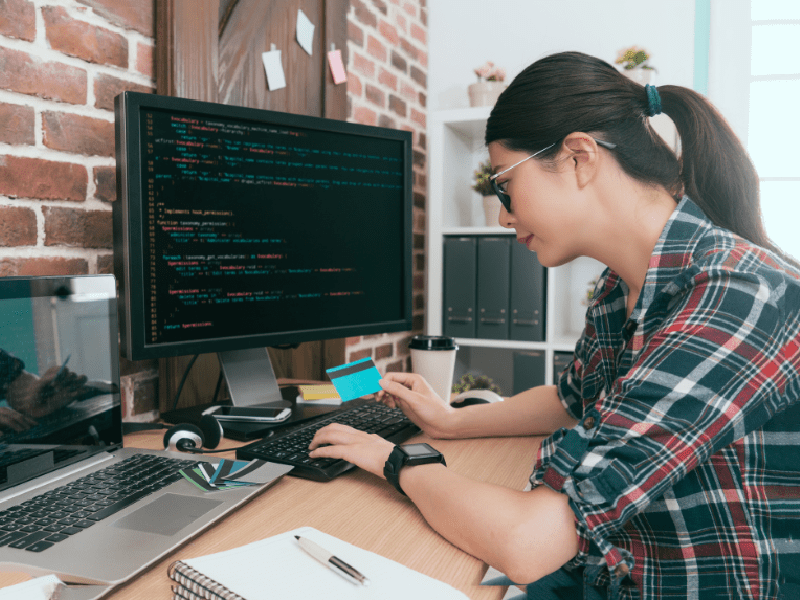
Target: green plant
x=633 y=57
x=475 y=382
x=481 y=176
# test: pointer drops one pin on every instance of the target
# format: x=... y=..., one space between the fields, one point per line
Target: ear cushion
x=212 y=431
x=183 y=431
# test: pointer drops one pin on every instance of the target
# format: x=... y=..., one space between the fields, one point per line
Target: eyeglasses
x=505 y=199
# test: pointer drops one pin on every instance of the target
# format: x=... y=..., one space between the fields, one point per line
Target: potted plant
x=475 y=382
x=634 y=64
x=482 y=185
x=491 y=82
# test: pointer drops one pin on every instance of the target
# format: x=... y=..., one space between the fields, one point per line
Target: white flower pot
x=485 y=93
x=491 y=209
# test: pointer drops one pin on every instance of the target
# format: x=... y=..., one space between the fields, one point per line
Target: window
x=774 y=122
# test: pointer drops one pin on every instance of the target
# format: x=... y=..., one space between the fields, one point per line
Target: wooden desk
x=357 y=507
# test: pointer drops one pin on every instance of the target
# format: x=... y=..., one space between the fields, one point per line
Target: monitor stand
x=250 y=377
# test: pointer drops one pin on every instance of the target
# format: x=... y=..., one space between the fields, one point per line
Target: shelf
x=477 y=231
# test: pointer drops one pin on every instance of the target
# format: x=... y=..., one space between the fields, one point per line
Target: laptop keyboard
x=290 y=445
x=53 y=516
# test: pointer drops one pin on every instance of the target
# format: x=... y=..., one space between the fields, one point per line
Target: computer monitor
x=236 y=229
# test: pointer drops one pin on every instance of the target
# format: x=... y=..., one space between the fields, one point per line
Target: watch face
x=420 y=451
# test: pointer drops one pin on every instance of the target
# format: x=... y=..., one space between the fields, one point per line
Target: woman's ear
x=583 y=154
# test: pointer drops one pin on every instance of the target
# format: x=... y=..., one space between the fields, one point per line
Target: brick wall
x=61 y=64
x=387 y=86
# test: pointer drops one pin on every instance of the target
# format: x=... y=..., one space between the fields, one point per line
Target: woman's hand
x=38 y=397
x=11 y=419
x=419 y=402
x=364 y=450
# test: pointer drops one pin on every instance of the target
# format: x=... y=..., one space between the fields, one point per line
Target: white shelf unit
x=456 y=149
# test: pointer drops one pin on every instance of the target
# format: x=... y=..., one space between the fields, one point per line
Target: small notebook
x=277 y=567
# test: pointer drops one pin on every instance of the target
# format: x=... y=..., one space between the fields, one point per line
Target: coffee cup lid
x=432 y=342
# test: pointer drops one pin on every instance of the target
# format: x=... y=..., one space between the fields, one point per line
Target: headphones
x=186 y=437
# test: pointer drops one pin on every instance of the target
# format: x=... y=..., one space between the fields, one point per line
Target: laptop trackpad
x=168 y=514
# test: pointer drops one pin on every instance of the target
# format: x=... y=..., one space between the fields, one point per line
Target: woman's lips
x=526 y=240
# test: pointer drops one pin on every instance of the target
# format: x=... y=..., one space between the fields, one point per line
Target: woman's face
x=545 y=208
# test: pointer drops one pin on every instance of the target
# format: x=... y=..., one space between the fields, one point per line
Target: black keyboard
x=289 y=446
x=53 y=516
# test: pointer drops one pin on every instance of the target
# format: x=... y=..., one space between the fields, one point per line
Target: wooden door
x=211 y=50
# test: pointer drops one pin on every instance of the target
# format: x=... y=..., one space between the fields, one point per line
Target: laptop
x=61 y=443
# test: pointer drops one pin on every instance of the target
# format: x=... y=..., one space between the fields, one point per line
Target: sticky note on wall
x=337 y=66
x=305 y=32
x=274 y=69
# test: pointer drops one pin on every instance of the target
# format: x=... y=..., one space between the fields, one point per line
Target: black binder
x=528 y=296
x=494 y=256
x=528 y=370
x=460 y=281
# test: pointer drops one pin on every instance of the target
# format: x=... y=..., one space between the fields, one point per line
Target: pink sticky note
x=337 y=68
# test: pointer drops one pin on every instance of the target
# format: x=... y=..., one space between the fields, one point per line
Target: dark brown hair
x=571 y=91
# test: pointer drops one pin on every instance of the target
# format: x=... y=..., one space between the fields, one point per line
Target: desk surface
x=356 y=507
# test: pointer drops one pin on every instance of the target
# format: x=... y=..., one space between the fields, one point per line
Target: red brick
x=397 y=105
x=77 y=228
x=352 y=341
x=376 y=48
x=381 y=6
x=354 y=33
x=17 y=124
x=375 y=95
x=364 y=14
x=43 y=266
x=42 y=179
x=17 y=226
x=105 y=264
x=389 y=32
x=131 y=14
x=395 y=367
x=387 y=121
x=410 y=9
x=398 y=62
x=418 y=75
x=106 y=88
x=359 y=354
x=364 y=115
x=422 y=58
x=354 y=85
x=410 y=49
x=388 y=79
x=145 y=60
x=24 y=73
x=363 y=65
x=408 y=92
x=18 y=19
x=418 y=117
x=419 y=34
x=384 y=351
x=82 y=40
x=78 y=134
x=105 y=181
x=401 y=21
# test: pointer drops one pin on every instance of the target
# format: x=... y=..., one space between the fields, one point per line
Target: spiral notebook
x=276 y=568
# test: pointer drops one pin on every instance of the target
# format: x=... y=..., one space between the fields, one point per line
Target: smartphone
x=252 y=414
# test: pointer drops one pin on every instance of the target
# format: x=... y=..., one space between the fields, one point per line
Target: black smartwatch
x=409 y=456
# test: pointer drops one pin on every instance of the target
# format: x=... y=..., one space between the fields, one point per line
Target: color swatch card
x=355 y=379
x=337 y=66
x=276 y=79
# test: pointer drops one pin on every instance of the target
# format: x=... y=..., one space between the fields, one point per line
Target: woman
x=672 y=466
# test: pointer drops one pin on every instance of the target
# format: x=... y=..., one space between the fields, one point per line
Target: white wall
x=463 y=34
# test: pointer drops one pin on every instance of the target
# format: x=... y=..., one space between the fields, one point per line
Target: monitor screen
x=242 y=228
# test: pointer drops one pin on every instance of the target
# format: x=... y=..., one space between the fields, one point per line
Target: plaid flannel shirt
x=684 y=469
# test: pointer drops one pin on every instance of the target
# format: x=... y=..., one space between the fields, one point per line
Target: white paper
x=274 y=69
x=41 y=588
x=305 y=32
x=278 y=568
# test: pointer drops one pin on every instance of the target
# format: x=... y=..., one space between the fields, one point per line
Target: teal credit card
x=355 y=379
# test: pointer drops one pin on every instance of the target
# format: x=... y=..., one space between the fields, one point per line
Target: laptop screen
x=59 y=373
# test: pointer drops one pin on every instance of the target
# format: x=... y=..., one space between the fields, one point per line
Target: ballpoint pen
x=328 y=559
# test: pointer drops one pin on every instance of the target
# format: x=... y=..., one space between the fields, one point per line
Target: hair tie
x=653 y=100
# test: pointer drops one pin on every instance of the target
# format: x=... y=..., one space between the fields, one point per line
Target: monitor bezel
x=129 y=231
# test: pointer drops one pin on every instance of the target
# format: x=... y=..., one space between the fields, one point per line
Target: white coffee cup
x=434 y=357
